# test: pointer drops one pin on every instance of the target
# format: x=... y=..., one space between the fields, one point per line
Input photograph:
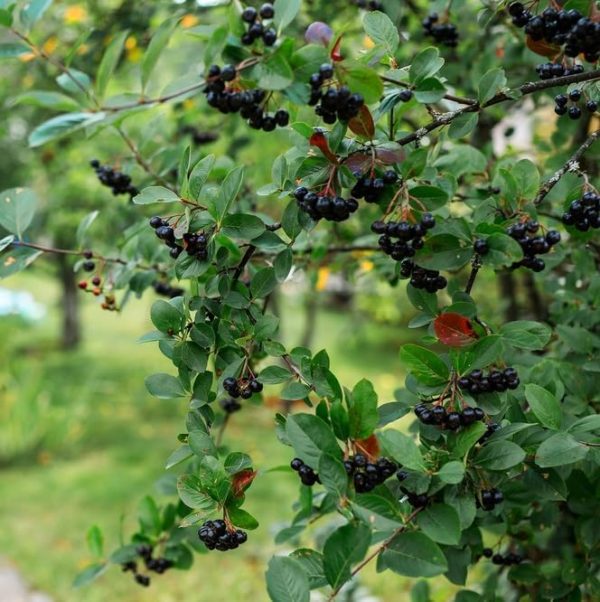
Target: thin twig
x=245 y=259
x=571 y=165
x=376 y=552
x=459 y=99
x=475 y=267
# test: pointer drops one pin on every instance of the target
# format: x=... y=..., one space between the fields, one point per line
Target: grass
x=112 y=440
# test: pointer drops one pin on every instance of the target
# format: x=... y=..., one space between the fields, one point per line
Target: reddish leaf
x=368 y=446
x=363 y=124
x=242 y=480
x=336 y=52
x=319 y=140
x=454 y=330
x=542 y=48
x=358 y=162
x=390 y=156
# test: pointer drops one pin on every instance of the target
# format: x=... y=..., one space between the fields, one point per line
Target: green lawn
x=107 y=440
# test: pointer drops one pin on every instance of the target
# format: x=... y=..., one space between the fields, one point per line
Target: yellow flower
x=366 y=265
x=50 y=45
x=368 y=43
x=130 y=43
x=28 y=56
x=75 y=14
x=322 y=278
x=189 y=21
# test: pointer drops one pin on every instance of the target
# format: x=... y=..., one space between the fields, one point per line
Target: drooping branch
x=513 y=94
x=571 y=165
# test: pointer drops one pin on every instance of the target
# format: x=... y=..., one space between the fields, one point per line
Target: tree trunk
x=536 y=302
x=71 y=326
x=508 y=293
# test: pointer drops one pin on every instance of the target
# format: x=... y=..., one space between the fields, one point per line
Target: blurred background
x=79 y=435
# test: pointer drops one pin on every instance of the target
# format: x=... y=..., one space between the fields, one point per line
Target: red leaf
x=242 y=480
x=358 y=162
x=368 y=446
x=390 y=156
x=363 y=124
x=319 y=140
x=336 y=53
x=454 y=330
x=542 y=48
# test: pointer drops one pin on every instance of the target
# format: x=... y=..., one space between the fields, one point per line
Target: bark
x=71 y=324
x=508 y=293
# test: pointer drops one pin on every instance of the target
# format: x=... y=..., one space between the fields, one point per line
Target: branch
x=513 y=94
x=571 y=165
x=452 y=97
x=475 y=267
x=245 y=259
x=376 y=552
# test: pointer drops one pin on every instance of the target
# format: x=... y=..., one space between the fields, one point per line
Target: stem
x=245 y=259
x=221 y=432
x=376 y=552
x=475 y=267
x=452 y=97
x=571 y=165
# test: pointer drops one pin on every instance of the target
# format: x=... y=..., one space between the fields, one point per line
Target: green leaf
x=157 y=44
x=444 y=252
x=243 y=226
x=310 y=437
x=424 y=364
x=452 y=472
x=67 y=82
x=228 y=191
x=440 y=522
x=285 y=13
x=166 y=317
x=273 y=375
x=95 y=541
x=202 y=444
x=192 y=494
x=545 y=406
x=380 y=509
x=462 y=159
x=242 y=519
x=84 y=226
x=263 y=283
x=333 y=475
x=294 y=390
x=362 y=410
x=430 y=90
x=89 y=574
x=109 y=62
x=181 y=454
x=525 y=334
x=423 y=301
x=490 y=84
x=236 y=462
x=6 y=241
x=156 y=194
x=164 y=386
x=402 y=448
x=382 y=31
x=17 y=259
x=500 y=455
x=17 y=208
x=431 y=196
x=364 y=79
x=48 y=100
x=560 y=450
x=463 y=125
x=413 y=555
x=61 y=126
x=199 y=175
x=427 y=63
x=11 y=50
x=33 y=11
x=344 y=547
x=312 y=563
x=466 y=439
x=503 y=250
x=287 y=581
x=275 y=73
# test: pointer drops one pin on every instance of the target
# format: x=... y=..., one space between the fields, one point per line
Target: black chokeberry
x=89 y=266
x=267 y=11
x=480 y=246
x=249 y=14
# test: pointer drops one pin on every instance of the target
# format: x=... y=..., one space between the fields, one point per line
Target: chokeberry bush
x=386 y=134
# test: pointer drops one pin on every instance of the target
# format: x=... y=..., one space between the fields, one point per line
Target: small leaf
x=109 y=62
x=157 y=44
x=490 y=84
x=402 y=448
x=440 y=522
x=344 y=547
x=287 y=581
x=242 y=480
x=560 y=450
x=362 y=124
x=95 y=541
x=89 y=574
x=310 y=437
x=500 y=455
x=362 y=410
x=425 y=365
x=17 y=208
x=382 y=31
x=164 y=386
x=413 y=555
x=454 y=330
x=285 y=12
x=156 y=194
x=192 y=494
x=545 y=406
x=452 y=472
x=62 y=125
x=242 y=519
x=333 y=475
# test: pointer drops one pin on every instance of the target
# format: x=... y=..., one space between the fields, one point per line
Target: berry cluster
x=496 y=380
x=195 y=245
x=244 y=389
x=439 y=416
x=95 y=290
x=408 y=237
x=164 y=289
x=561 y=104
x=525 y=234
x=249 y=103
x=421 y=278
x=367 y=475
x=333 y=103
x=119 y=183
x=157 y=565
x=371 y=188
x=552 y=70
x=369 y=4
x=307 y=475
x=215 y=536
x=490 y=498
x=323 y=206
x=507 y=560
x=584 y=213
x=256 y=27
x=442 y=33
x=492 y=427
x=569 y=28
x=416 y=500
